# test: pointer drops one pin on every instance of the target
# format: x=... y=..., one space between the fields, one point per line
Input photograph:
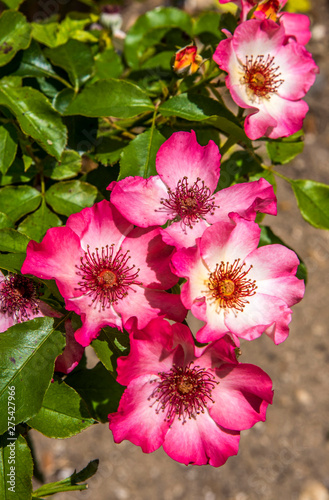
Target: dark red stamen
x=183 y=392
x=229 y=287
x=106 y=276
x=262 y=76
x=19 y=297
x=190 y=203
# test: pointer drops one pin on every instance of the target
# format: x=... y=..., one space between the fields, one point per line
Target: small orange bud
x=269 y=8
x=187 y=61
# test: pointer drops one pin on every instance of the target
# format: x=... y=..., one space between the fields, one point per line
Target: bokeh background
x=286 y=457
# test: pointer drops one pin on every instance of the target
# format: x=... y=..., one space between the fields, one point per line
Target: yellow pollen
x=107 y=278
x=258 y=79
x=184 y=386
x=190 y=202
x=226 y=287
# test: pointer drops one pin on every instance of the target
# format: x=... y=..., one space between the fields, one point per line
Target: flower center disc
x=228 y=286
x=106 y=276
x=261 y=76
x=185 y=385
x=183 y=392
x=19 y=297
x=190 y=203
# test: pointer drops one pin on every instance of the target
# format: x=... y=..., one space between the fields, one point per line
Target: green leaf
x=98 y=389
x=27 y=356
x=195 y=107
x=150 y=28
x=284 y=150
x=139 y=157
x=35 y=115
x=12 y=4
x=116 y=98
x=267 y=237
x=62 y=100
x=53 y=34
x=16 y=173
x=12 y=261
x=207 y=28
x=313 y=201
x=109 y=150
x=68 y=166
x=107 y=65
x=76 y=58
x=5 y=221
x=37 y=224
x=15 y=34
x=238 y=166
x=16 y=465
x=160 y=60
x=12 y=241
x=34 y=63
x=16 y=201
x=108 y=347
x=70 y=483
x=8 y=146
x=63 y=413
x=70 y=197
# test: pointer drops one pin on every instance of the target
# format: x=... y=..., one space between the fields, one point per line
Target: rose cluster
x=160 y=247
x=171 y=249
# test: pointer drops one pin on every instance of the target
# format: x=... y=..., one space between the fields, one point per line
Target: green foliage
x=12 y=262
x=108 y=346
x=13 y=241
x=8 y=146
x=63 y=413
x=313 y=201
x=75 y=58
x=110 y=98
x=284 y=150
x=107 y=65
x=52 y=34
x=69 y=484
x=150 y=29
x=15 y=34
x=16 y=201
x=36 y=224
x=23 y=468
x=139 y=157
x=68 y=166
x=27 y=355
x=195 y=107
x=75 y=114
x=98 y=388
x=70 y=197
x=35 y=115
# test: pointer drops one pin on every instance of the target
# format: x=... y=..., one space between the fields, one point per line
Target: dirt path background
x=286 y=457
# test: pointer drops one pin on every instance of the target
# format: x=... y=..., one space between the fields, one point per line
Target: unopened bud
x=186 y=61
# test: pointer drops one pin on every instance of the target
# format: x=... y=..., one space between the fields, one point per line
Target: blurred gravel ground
x=286 y=457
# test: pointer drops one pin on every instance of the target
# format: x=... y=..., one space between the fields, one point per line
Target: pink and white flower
x=267 y=76
x=19 y=302
x=106 y=270
x=296 y=26
x=236 y=288
x=183 y=192
x=194 y=402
